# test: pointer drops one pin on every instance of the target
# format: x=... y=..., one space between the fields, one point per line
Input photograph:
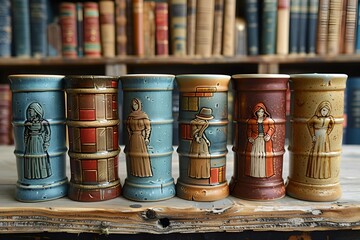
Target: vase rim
x=91 y=76
x=146 y=75
x=13 y=76
x=260 y=75
x=199 y=75
x=318 y=75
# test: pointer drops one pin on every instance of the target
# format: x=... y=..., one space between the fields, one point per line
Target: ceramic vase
x=92 y=120
x=148 y=126
x=203 y=121
x=317 y=108
x=259 y=143
x=38 y=118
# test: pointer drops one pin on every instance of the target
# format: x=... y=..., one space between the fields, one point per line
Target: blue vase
x=38 y=110
x=148 y=125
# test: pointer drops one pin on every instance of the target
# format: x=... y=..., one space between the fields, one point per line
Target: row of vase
x=89 y=113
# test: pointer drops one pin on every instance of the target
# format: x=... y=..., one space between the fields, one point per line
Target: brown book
x=92 y=46
x=342 y=26
x=204 y=27
x=322 y=27
x=335 y=17
x=350 y=26
x=218 y=27
x=178 y=27
x=129 y=28
x=161 y=35
x=68 y=29
x=283 y=21
x=229 y=26
x=149 y=28
x=120 y=25
x=191 y=27
x=138 y=28
x=5 y=115
x=107 y=27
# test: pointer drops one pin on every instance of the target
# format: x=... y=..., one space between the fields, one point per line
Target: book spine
x=54 y=39
x=5 y=114
x=268 y=29
x=218 y=27
x=204 y=27
x=5 y=28
x=350 y=27
x=353 y=110
x=38 y=28
x=252 y=26
x=335 y=16
x=342 y=26
x=149 y=28
x=322 y=27
x=282 y=41
x=107 y=27
x=138 y=27
x=303 y=26
x=161 y=19
x=294 y=23
x=312 y=26
x=92 y=46
x=121 y=28
x=129 y=28
x=229 y=28
x=240 y=38
x=68 y=29
x=21 y=28
x=80 y=28
x=357 y=38
x=191 y=27
x=178 y=27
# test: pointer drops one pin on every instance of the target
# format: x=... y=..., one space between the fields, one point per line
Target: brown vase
x=92 y=119
x=259 y=115
x=317 y=110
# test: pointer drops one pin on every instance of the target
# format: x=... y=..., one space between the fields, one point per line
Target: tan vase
x=317 y=108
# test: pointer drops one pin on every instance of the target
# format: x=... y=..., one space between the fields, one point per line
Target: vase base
x=39 y=193
x=94 y=193
x=148 y=193
x=313 y=192
x=202 y=193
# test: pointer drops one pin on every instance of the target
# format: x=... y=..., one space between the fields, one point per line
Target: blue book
x=252 y=26
x=303 y=26
x=5 y=28
x=294 y=26
x=38 y=27
x=80 y=28
x=357 y=36
x=312 y=26
x=21 y=28
x=268 y=27
x=353 y=111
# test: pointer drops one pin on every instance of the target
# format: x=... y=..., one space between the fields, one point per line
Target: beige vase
x=317 y=109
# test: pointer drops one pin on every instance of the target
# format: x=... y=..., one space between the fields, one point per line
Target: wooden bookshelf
x=121 y=216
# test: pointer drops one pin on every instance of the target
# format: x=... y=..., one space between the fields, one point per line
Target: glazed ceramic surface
x=259 y=116
x=203 y=120
x=38 y=108
x=148 y=124
x=92 y=119
x=317 y=116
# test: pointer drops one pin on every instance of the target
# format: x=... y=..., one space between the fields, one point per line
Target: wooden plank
x=121 y=216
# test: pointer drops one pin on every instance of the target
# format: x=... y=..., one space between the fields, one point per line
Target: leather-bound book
x=67 y=14
x=92 y=46
x=138 y=27
x=229 y=26
x=204 y=27
x=107 y=27
x=21 y=28
x=334 y=25
x=283 y=21
x=218 y=27
x=178 y=17
x=162 y=25
x=149 y=28
x=312 y=26
x=5 y=28
x=120 y=24
x=350 y=26
x=80 y=28
x=190 y=27
x=322 y=27
x=38 y=27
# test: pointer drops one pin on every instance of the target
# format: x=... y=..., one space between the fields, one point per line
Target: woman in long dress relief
x=199 y=165
x=139 y=129
x=259 y=149
x=320 y=127
x=37 y=140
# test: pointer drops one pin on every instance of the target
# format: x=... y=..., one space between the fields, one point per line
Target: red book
x=161 y=20
x=121 y=21
x=138 y=27
x=68 y=29
x=92 y=46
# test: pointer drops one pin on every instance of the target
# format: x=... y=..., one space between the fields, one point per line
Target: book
x=218 y=27
x=353 y=110
x=240 y=37
x=67 y=14
x=129 y=28
x=303 y=25
x=178 y=17
x=283 y=21
x=357 y=37
x=92 y=46
x=161 y=30
x=121 y=27
x=350 y=26
x=5 y=115
x=252 y=26
x=38 y=27
x=268 y=27
x=138 y=27
x=54 y=40
x=312 y=21
x=322 y=27
x=80 y=28
x=204 y=27
x=334 y=25
x=107 y=27
x=229 y=28
x=149 y=28
x=5 y=28
x=191 y=27
x=295 y=26
x=21 y=28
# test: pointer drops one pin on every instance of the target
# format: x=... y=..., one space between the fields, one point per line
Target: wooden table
x=121 y=216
